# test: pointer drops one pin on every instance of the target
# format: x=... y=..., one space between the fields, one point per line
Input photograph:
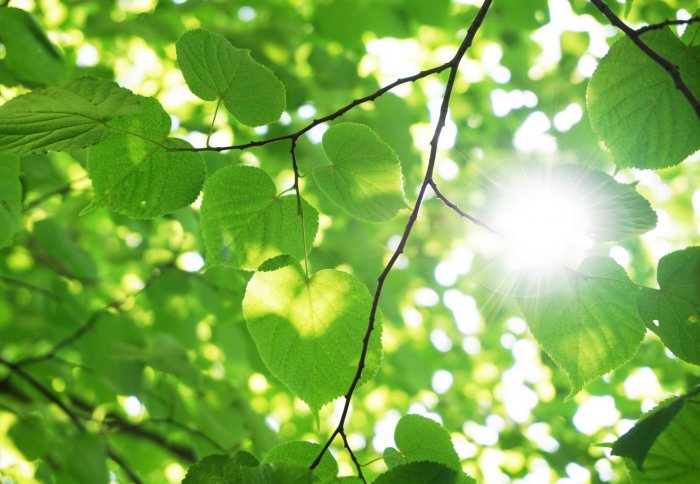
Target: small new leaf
x=309 y=331
x=58 y=118
x=364 y=177
x=245 y=223
x=216 y=70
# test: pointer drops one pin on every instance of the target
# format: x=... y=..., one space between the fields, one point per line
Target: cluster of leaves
x=318 y=333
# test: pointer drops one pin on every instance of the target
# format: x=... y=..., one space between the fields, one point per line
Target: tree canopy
x=291 y=241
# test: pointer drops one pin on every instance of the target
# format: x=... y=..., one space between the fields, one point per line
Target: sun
x=543 y=224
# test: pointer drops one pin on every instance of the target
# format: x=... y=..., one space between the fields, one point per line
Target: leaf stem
x=300 y=208
x=213 y=120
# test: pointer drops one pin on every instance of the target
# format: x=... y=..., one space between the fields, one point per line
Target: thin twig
x=330 y=117
x=358 y=466
x=453 y=65
x=666 y=65
x=26 y=285
x=667 y=23
x=112 y=454
x=461 y=212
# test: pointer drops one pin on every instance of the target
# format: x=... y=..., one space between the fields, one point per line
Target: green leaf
x=364 y=177
x=636 y=108
x=637 y=442
x=60 y=248
x=220 y=468
x=392 y=457
x=82 y=459
x=610 y=210
x=628 y=7
x=668 y=446
x=276 y=474
x=309 y=331
x=303 y=454
x=420 y=438
x=589 y=324
x=30 y=56
x=691 y=35
x=10 y=198
x=63 y=117
x=425 y=472
x=245 y=222
x=673 y=312
x=134 y=171
x=216 y=70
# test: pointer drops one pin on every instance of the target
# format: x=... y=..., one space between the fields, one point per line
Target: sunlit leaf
x=364 y=177
x=276 y=474
x=589 y=324
x=136 y=171
x=71 y=115
x=636 y=108
x=665 y=445
x=216 y=70
x=425 y=472
x=303 y=454
x=420 y=438
x=245 y=222
x=637 y=442
x=10 y=198
x=673 y=312
x=220 y=468
x=309 y=331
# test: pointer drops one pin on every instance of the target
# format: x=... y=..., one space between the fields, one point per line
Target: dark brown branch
x=665 y=65
x=112 y=454
x=26 y=285
x=330 y=117
x=91 y=322
x=461 y=212
x=452 y=65
x=358 y=466
x=667 y=23
x=41 y=388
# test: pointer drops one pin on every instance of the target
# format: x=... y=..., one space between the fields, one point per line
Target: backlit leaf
x=636 y=108
x=216 y=70
x=71 y=115
x=674 y=455
x=245 y=222
x=220 y=468
x=420 y=438
x=364 y=177
x=135 y=170
x=425 y=472
x=588 y=324
x=309 y=331
x=303 y=454
x=637 y=442
x=673 y=312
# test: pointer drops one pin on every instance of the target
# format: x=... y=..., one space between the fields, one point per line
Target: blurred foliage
x=157 y=365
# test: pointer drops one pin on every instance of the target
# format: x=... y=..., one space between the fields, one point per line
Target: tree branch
x=91 y=321
x=452 y=65
x=461 y=212
x=667 y=23
x=665 y=65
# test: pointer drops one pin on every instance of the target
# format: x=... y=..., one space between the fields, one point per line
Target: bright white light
x=246 y=13
x=440 y=340
x=595 y=414
x=87 y=56
x=133 y=406
x=190 y=262
x=542 y=225
x=442 y=381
